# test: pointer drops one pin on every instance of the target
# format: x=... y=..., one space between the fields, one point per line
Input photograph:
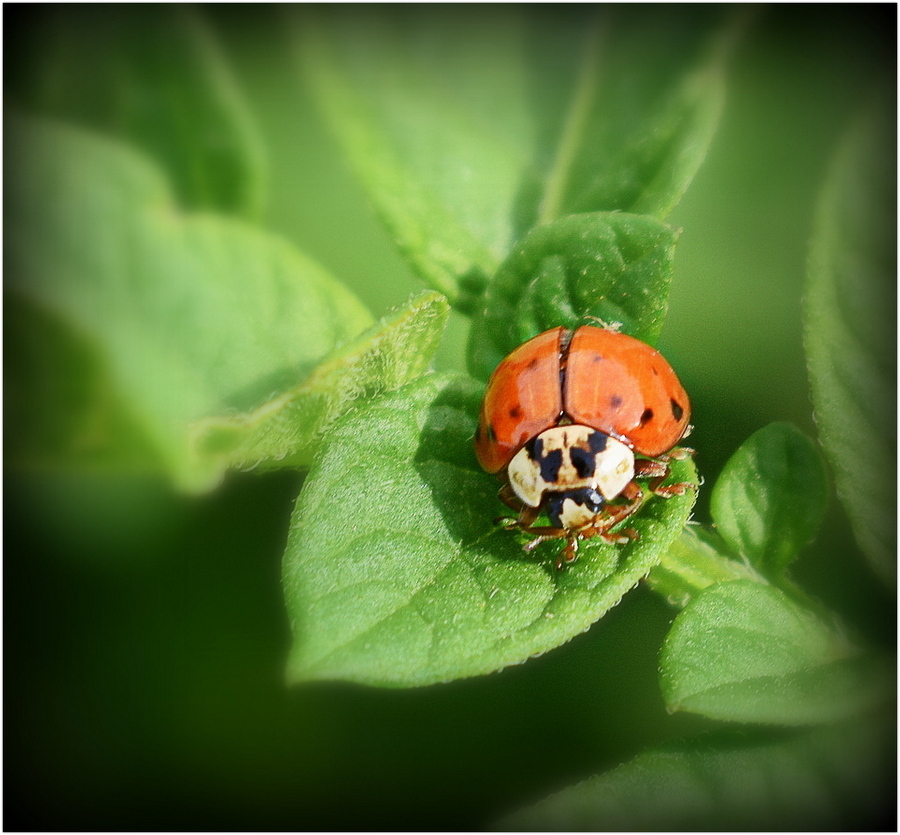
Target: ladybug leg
x=651 y=467
x=522 y=522
x=614 y=514
x=542 y=533
x=526 y=514
x=621 y=537
x=657 y=470
x=568 y=555
x=670 y=489
x=546 y=533
x=508 y=496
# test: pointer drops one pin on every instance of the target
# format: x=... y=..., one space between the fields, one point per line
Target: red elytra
x=596 y=377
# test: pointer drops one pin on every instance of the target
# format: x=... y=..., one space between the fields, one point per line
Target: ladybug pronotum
x=570 y=421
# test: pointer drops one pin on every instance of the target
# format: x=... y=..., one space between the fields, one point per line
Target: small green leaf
x=646 y=105
x=395 y=573
x=850 y=332
x=745 y=652
x=442 y=151
x=285 y=431
x=697 y=559
x=829 y=779
x=770 y=498
x=614 y=267
x=157 y=78
x=469 y=128
x=187 y=315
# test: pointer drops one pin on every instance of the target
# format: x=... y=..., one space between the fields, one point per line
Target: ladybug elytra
x=570 y=420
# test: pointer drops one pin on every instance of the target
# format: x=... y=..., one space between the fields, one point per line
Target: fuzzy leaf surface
x=743 y=651
x=611 y=266
x=770 y=498
x=850 y=332
x=469 y=127
x=189 y=315
x=395 y=573
x=827 y=779
x=285 y=431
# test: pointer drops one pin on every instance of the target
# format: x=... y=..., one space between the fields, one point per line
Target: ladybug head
x=573 y=508
x=576 y=461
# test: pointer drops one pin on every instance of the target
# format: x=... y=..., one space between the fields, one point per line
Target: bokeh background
x=145 y=635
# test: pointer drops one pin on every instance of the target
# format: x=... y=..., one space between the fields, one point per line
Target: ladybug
x=569 y=421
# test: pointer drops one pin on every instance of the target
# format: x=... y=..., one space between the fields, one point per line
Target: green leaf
x=614 y=267
x=830 y=779
x=850 y=330
x=62 y=406
x=745 y=652
x=645 y=107
x=469 y=128
x=154 y=77
x=697 y=559
x=286 y=431
x=770 y=498
x=188 y=315
x=395 y=573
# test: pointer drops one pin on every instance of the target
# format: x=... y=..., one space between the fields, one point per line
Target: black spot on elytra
x=677 y=410
x=582 y=461
x=615 y=401
x=515 y=412
x=646 y=416
x=533 y=363
x=550 y=464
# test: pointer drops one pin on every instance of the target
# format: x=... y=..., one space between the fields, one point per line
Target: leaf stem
x=573 y=128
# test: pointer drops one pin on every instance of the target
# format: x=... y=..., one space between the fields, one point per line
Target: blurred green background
x=145 y=633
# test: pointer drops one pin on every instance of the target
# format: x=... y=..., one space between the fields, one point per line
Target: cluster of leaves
x=186 y=338
x=748 y=646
